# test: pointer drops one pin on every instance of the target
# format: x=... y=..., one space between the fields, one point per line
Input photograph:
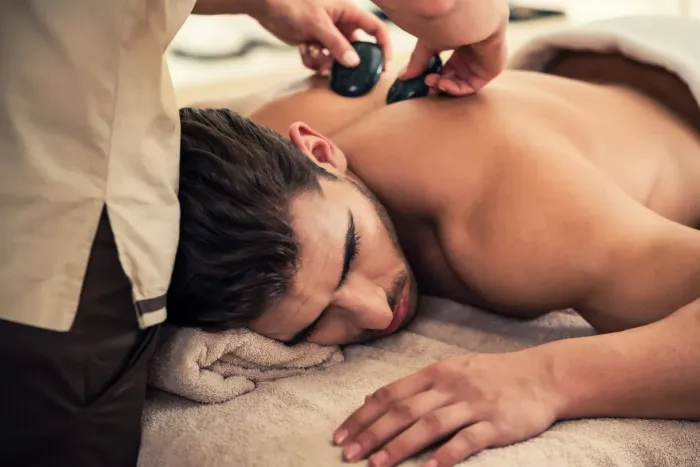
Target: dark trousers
x=75 y=398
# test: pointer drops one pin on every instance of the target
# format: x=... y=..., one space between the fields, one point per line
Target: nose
x=365 y=303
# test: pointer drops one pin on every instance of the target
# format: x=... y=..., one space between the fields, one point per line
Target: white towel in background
x=670 y=42
x=216 y=367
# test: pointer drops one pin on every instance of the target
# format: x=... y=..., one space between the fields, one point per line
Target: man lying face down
x=543 y=192
x=277 y=235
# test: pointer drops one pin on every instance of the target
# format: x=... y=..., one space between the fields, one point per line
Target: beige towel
x=289 y=422
x=216 y=367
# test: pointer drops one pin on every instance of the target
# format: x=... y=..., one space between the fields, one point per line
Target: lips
x=400 y=311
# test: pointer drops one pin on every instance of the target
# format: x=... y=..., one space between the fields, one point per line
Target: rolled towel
x=215 y=367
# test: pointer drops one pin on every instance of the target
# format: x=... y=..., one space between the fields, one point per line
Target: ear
x=319 y=148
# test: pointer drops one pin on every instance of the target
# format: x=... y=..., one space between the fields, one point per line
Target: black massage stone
x=414 y=87
x=358 y=81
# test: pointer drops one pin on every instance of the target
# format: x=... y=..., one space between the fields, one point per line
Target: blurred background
x=229 y=57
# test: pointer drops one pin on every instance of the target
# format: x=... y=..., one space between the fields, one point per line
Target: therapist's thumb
x=337 y=44
x=420 y=58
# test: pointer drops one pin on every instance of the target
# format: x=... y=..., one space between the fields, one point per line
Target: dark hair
x=237 y=253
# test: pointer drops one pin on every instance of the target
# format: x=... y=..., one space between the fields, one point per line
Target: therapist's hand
x=473 y=29
x=468 y=70
x=474 y=401
x=322 y=28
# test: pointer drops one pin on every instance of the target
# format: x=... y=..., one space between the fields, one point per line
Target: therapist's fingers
x=337 y=30
x=337 y=44
x=305 y=56
x=460 y=75
x=420 y=58
x=472 y=67
x=313 y=56
x=375 y=27
x=351 y=32
x=325 y=63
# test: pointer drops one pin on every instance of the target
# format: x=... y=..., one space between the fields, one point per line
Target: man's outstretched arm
x=648 y=372
x=479 y=401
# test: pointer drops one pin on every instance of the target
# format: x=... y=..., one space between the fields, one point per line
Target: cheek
x=379 y=257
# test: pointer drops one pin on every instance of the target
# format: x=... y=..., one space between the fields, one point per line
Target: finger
x=325 y=70
x=488 y=58
x=328 y=34
x=324 y=61
x=319 y=56
x=457 y=74
x=456 y=87
x=352 y=34
x=379 y=403
x=311 y=54
x=432 y=79
x=420 y=58
x=375 y=27
x=465 y=443
x=470 y=68
x=430 y=428
x=398 y=418
x=305 y=57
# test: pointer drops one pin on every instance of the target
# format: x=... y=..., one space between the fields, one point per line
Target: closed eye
x=352 y=248
x=350 y=252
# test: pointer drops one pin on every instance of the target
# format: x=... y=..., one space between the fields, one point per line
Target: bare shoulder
x=546 y=230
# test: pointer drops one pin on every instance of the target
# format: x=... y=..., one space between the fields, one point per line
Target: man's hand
x=477 y=401
x=322 y=28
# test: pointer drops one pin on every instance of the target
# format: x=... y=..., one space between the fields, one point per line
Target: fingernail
x=431 y=463
x=325 y=72
x=402 y=72
x=340 y=436
x=351 y=451
x=350 y=58
x=378 y=459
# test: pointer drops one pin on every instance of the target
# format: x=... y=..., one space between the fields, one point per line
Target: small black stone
x=414 y=87
x=358 y=81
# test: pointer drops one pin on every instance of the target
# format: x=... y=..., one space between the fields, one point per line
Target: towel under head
x=214 y=367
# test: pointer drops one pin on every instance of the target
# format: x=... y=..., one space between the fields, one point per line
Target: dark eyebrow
x=350 y=251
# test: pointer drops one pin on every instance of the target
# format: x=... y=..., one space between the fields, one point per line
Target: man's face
x=352 y=283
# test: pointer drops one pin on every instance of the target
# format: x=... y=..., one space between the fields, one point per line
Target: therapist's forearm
x=647 y=372
x=447 y=23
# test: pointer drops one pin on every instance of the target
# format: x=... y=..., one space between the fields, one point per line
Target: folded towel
x=215 y=367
